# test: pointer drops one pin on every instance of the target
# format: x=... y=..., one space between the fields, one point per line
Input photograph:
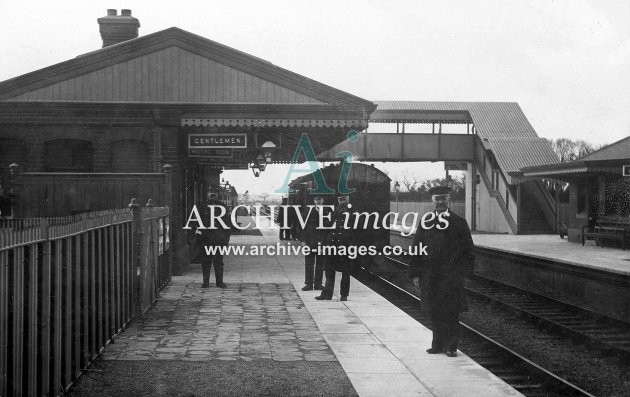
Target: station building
x=93 y=131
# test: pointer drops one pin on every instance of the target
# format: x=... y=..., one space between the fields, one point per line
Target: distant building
x=599 y=185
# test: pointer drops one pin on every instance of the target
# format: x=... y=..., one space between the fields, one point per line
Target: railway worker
x=338 y=237
x=282 y=218
x=219 y=237
x=448 y=260
x=312 y=236
x=293 y=223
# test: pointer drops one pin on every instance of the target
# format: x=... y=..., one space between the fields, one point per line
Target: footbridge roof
x=501 y=127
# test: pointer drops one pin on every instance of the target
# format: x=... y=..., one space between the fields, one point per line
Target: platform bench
x=608 y=228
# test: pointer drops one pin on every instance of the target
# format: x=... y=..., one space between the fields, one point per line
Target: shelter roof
x=619 y=150
x=608 y=159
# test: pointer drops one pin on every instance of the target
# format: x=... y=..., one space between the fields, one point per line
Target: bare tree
x=410 y=181
x=569 y=150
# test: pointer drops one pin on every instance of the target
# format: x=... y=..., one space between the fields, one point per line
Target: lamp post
x=396 y=189
x=228 y=197
x=254 y=167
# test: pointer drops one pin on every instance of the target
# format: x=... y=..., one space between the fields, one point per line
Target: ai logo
x=322 y=188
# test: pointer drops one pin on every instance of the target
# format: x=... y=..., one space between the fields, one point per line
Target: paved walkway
x=246 y=321
x=263 y=315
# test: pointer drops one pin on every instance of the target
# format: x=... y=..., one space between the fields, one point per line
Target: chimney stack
x=116 y=28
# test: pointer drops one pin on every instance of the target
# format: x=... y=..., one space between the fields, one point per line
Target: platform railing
x=68 y=285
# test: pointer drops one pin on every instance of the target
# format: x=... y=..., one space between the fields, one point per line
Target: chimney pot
x=118 y=28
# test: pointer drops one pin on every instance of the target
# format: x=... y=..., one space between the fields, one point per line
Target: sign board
x=217 y=141
x=455 y=165
x=207 y=152
x=626 y=170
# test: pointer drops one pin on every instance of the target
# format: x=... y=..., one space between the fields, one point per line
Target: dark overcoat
x=213 y=237
x=449 y=260
x=340 y=237
x=313 y=233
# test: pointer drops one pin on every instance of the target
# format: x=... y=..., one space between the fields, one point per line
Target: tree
x=569 y=150
x=409 y=181
x=421 y=193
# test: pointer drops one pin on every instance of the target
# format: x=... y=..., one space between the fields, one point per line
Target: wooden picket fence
x=69 y=285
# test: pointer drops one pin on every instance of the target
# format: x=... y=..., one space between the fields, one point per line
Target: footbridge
x=498 y=142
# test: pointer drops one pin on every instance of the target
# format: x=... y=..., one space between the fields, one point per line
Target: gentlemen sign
x=215 y=145
x=217 y=141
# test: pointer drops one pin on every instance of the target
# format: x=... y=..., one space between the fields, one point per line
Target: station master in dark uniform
x=219 y=237
x=441 y=272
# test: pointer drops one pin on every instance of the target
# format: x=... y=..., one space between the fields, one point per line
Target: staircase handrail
x=549 y=199
x=550 y=211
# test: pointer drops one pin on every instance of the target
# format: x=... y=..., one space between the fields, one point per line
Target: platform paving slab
x=368 y=332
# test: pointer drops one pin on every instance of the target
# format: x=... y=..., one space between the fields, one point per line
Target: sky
x=565 y=62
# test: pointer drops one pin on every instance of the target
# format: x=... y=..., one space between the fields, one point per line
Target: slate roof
x=47 y=83
x=619 y=150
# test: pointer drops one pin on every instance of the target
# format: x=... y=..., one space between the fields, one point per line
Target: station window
x=507 y=198
x=495 y=179
x=69 y=155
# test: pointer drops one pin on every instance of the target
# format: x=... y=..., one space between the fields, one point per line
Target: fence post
x=46 y=309
x=15 y=189
x=136 y=247
x=168 y=202
x=167 y=169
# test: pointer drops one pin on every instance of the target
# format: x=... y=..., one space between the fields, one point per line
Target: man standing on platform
x=312 y=236
x=218 y=237
x=441 y=267
x=339 y=237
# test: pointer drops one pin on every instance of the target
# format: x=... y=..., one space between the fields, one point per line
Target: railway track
x=595 y=330
x=521 y=373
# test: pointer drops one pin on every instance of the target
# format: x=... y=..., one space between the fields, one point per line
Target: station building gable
x=171 y=66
